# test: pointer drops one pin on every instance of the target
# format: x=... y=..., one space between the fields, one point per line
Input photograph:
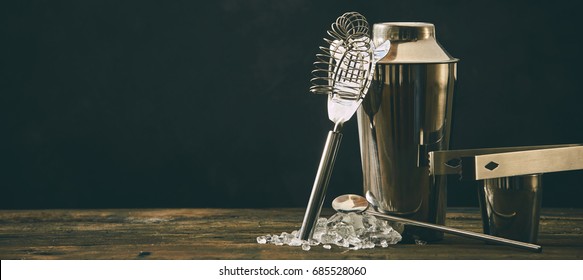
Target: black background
x=192 y=104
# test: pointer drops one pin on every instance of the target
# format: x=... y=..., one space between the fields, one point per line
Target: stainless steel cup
x=406 y=114
x=511 y=206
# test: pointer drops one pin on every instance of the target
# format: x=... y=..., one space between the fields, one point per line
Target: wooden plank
x=231 y=234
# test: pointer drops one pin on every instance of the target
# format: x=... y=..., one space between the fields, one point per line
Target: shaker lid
x=411 y=42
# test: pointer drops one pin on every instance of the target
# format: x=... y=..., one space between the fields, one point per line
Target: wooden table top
x=231 y=234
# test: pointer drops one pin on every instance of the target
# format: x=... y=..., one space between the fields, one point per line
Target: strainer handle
x=320 y=184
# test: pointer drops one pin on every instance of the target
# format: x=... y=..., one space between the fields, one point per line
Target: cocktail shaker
x=405 y=115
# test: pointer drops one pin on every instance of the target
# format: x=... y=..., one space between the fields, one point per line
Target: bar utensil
x=356 y=203
x=509 y=182
x=343 y=71
x=489 y=163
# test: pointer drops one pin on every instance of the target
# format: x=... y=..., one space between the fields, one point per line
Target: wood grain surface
x=231 y=234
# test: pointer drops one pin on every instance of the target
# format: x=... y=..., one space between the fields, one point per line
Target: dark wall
x=185 y=104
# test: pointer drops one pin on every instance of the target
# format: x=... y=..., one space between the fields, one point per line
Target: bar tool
x=406 y=114
x=343 y=71
x=510 y=182
x=358 y=204
x=479 y=164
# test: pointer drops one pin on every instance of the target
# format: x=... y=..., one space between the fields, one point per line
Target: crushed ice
x=348 y=230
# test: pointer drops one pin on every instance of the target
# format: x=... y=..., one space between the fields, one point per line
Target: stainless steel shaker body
x=406 y=114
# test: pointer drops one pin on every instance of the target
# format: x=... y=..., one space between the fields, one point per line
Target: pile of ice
x=347 y=230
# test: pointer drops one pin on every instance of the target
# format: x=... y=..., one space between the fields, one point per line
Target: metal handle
x=491 y=163
x=469 y=234
x=321 y=183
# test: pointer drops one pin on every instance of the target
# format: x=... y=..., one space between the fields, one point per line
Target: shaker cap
x=411 y=42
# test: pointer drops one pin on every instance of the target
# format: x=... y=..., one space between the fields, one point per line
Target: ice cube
x=322 y=222
x=343 y=243
x=306 y=247
x=357 y=223
x=369 y=222
x=287 y=238
x=353 y=240
x=368 y=245
x=335 y=219
x=261 y=239
x=345 y=230
x=295 y=242
x=318 y=232
x=276 y=238
x=384 y=243
x=330 y=237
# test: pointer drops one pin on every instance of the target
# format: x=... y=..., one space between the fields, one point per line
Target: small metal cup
x=511 y=206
